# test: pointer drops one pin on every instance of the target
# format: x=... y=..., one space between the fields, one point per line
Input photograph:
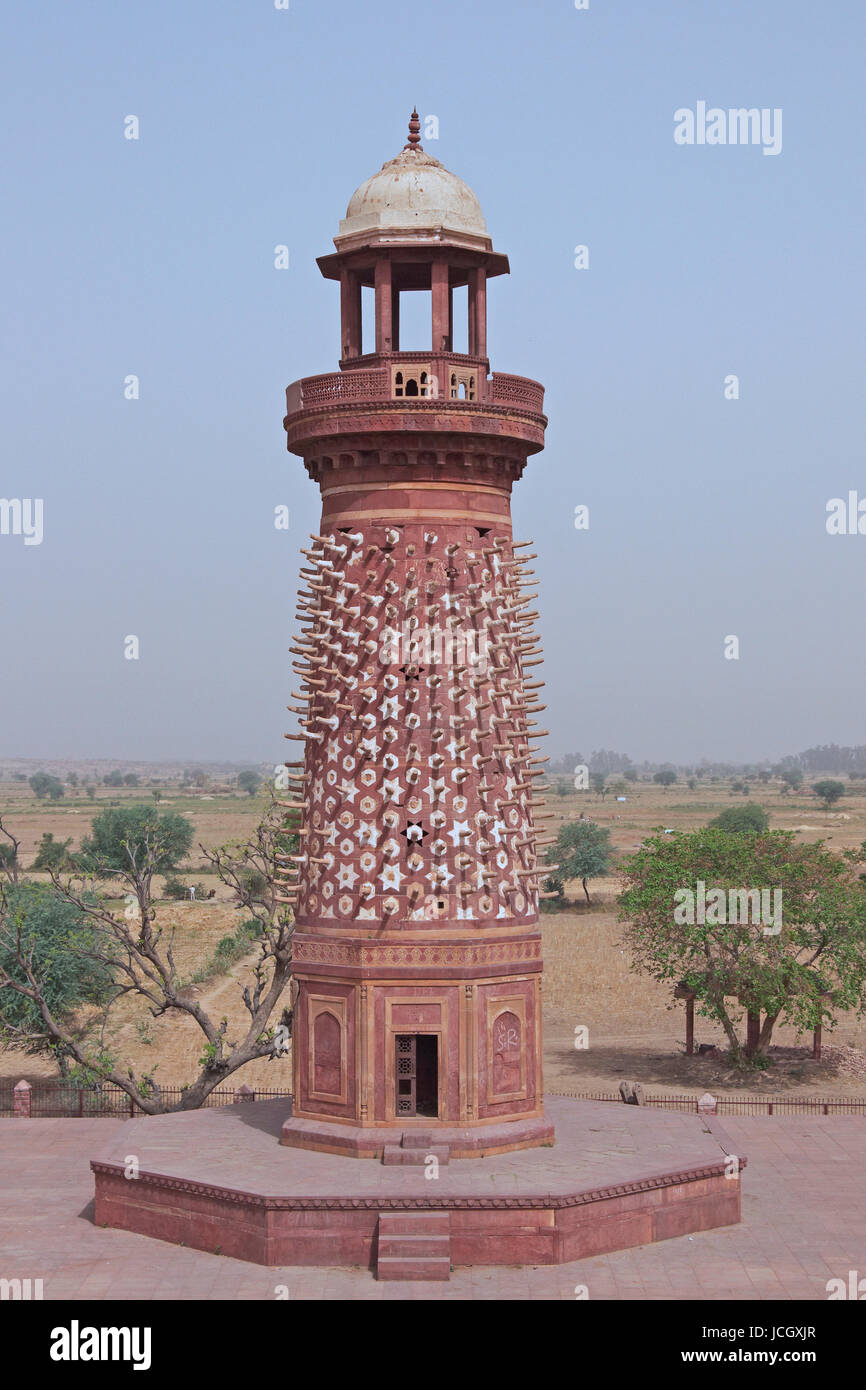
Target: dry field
x=633 y=1031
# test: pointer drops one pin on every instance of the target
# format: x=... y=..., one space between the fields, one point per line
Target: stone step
x=414 y=1223
x=402 y=1267
x=393 y=1153
x=418 y=1139
x=414 y=1247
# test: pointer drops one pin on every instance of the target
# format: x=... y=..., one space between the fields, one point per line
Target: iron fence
x=740 y=1105
x=60 y=1100
x=63 y=1100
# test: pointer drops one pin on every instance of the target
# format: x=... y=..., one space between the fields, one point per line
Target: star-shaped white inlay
x=458 y=829
x=391 y=876
x=347 y=876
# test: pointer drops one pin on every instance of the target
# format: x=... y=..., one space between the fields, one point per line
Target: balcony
x=419 y=380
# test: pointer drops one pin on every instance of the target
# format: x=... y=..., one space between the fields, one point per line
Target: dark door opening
x=417 y=1074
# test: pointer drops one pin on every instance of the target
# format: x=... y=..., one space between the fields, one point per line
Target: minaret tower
x=416 y=954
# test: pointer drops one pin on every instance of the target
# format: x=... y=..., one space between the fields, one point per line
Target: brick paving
x=804 y=1203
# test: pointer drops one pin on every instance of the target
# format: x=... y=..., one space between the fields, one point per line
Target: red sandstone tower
x=417 y=954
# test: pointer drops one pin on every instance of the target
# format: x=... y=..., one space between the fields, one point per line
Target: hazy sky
x=155 y=257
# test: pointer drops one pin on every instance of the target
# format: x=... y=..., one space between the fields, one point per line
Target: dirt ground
x=634 y=1028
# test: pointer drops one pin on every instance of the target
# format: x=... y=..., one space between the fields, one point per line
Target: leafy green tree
x=742 y=818
x=829 y=791
x=51 y=853
x=113 y=779
x=802 y=969
x=583 y=851
x=51 y=952
x=597 y=781
x=249 y=782
x=44 y=784
x=130 y=779
x=120 y=837
x=91 y=791
x=630 y=774
x=792 y=779
x=665 y=778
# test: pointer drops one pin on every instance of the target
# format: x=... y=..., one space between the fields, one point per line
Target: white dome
x=414 y=192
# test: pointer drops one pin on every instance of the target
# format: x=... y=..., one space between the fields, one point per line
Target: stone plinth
x=619 y=1176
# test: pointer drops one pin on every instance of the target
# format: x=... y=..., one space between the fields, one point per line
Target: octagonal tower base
x=218 y=1180
x=388 y=1144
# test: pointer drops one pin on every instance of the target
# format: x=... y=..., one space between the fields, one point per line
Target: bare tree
x=141 y=956
x=10 y=862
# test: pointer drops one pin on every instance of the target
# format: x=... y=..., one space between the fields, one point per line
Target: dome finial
x=414 y=129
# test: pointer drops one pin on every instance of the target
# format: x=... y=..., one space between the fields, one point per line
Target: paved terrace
x=804 y=1222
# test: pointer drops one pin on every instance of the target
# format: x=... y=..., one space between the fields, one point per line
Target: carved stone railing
x=518 y=391
x=374 y=384
x=338 y=386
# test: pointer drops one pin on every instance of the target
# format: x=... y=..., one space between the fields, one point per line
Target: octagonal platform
x=219 y=1180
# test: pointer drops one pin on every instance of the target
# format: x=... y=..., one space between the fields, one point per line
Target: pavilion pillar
x=472 y=334
x=350 y=313
x=441 y=306
x=395 y=318
x=384 y=332
x=478 y=312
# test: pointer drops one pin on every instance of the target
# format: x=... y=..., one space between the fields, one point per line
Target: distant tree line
x=849 y=760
